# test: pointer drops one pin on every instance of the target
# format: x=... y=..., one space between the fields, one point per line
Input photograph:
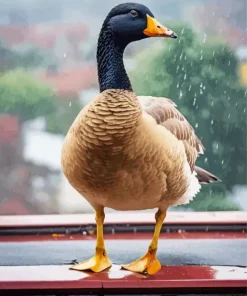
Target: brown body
x=120 y=157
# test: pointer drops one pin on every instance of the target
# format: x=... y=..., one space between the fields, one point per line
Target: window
x=48 y=73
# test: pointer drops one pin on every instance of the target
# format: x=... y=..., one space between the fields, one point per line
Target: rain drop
x=205 y=160
x=229 y=63
x=70 y=104
x=229 y=115
x=181 y=56
x=196 y=125
x=212 y=121
x=65 y=55
x=185 y=76
x=178 y=85
x=205 y=38
x=222 y=161
x=180 y=95
x=194 y=102
x=190 y=87
x=212 y=103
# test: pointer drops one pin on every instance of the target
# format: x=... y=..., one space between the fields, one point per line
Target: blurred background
x=48 y=72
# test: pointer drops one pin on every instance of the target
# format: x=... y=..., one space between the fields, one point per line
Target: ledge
x=199 y=218
x=54 y=278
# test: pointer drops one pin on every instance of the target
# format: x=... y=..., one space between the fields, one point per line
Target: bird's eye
x=134 y=13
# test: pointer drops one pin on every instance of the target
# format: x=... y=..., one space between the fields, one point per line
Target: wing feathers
x=204 y=176
x=165 y=113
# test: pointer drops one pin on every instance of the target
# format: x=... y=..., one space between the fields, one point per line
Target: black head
x=124 y=24
x=132 y=21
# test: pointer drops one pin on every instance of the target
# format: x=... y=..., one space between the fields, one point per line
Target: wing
x=165 y=113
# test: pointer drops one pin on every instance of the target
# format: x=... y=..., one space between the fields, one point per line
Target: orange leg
x=100 y=260
x=149 y=263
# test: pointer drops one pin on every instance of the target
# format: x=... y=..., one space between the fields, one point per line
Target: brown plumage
x=123 y=151
x=127 y=152
x=165 y=113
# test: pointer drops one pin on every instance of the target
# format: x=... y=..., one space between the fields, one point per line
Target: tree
x=7 y=58
x=202 y=79
x=25 y=56
x=23 y=95
x=66 y=110
x=27 y=97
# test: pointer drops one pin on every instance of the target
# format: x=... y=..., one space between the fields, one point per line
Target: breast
x=122 y=177
x=137 y=189
x=124 y=167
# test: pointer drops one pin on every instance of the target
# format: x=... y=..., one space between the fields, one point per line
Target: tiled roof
x=43 y=35
x=9 y=128
x=71 y=81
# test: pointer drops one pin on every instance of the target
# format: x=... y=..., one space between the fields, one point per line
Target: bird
x=129 y=152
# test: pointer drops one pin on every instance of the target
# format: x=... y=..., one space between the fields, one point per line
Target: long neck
x=111 y=70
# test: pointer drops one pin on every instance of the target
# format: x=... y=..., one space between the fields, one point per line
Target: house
x=70 y=82
x=14 y=175
x=43 y=35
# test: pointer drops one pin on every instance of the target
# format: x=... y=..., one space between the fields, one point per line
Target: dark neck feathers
x=111 y=70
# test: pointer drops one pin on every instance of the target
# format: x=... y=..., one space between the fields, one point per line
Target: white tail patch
x=193 y=186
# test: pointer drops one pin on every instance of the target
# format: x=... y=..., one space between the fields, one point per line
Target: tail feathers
x=204 y=177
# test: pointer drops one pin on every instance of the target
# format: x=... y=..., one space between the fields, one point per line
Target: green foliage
x=25 y=56
x=7 y=58
x=66 y=111
x=23 y=95
x=209 y=201
x=30 y=58
x=202 y=79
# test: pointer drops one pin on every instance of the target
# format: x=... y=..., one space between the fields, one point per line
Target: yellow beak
x=155 y=29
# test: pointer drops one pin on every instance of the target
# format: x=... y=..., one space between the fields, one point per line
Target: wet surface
x=217 y=252
x=170 y=276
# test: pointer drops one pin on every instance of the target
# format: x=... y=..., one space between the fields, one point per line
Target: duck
x=127 y=152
